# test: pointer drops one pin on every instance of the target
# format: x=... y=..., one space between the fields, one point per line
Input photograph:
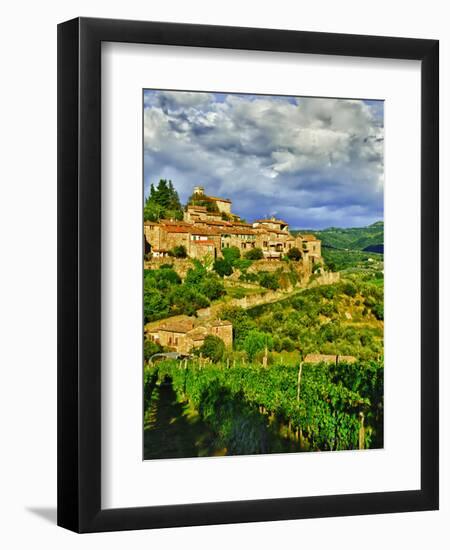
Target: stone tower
x=199 y=190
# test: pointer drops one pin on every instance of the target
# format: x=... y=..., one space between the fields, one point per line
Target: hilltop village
x=209 y=226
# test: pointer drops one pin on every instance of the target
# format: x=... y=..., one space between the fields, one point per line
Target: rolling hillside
x=369 y=239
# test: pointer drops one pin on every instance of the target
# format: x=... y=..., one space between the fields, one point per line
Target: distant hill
x=369 y=239
x=377 y=248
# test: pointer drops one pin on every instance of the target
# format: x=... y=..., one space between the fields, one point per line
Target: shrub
x=166 y=277
x=223 y=268
x=254 y=254
x=156 y=305
x=196 y=274
x=231 y=254
x=294 y=254
x=242 y=263
x=328 y=291
x=287 y=344
x=242 y=323
x=248 y=277
x=256 y=341
x=269 y=280
x=178 y=251
x=150 y=348
x=212 y=347
x=186 y=299
x=349 y=289
x=378 y=311
x=211 y=286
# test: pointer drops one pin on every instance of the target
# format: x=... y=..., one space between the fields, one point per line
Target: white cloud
x=283 y=149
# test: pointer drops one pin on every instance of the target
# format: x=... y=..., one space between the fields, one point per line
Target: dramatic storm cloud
x=311 y=161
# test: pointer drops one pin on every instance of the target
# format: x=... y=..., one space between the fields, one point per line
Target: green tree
x=196 y=274
x=153 y=212
x=231 y=254
x=242 y=323
x=162 y=279
x=211 y=286
x=156 y=304
x=256 y=341
x=294 y=254
x=269 y=280
x=163 y=202
x=150 y=348
x=223 y=267
x=287 y=344
x=187 y=299
x=349 y=288
x=212 y=347
x=254 y=254
x=178 y=251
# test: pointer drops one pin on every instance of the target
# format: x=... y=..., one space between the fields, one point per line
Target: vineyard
x=253 y=409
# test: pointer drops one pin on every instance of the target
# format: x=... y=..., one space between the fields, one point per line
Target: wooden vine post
x=299 y=381
x=361 y=430
x=299 y=377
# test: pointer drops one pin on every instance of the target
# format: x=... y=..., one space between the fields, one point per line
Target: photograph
x=263 y=274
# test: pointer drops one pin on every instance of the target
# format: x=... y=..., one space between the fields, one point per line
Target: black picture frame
x=79 y=274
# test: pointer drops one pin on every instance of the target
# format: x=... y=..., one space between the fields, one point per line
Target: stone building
x=203 y=232
x=223 y=205
x=312 y=246
x=184 y=335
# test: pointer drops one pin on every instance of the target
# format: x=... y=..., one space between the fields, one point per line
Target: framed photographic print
x=248 y=275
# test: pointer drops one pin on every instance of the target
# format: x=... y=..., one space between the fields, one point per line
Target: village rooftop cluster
x=206 y=231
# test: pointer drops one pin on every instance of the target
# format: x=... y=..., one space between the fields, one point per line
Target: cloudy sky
x=314 y=162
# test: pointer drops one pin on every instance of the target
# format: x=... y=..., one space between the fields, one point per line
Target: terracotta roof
x=271 y=221
x=309 y=238
x=236 y=231
x=197 y=334
x=203 y=243
x=175 y=326
x=174 y=222
x=218 y=199
x=242 y=224
x=216 y=222
x=204 y=231
x=278 y=232
x=178 y=229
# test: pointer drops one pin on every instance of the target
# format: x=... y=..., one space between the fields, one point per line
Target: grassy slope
x=353 y=238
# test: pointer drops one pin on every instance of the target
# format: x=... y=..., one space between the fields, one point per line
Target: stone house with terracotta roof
x=183 y=335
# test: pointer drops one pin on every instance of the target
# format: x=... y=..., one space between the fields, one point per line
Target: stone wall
x=326 y=278
x=181 y=266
